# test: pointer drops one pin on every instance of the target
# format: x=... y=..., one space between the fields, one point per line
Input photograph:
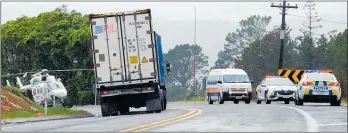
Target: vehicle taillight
x=105 y=92
x=307 y=83
x=334 y=84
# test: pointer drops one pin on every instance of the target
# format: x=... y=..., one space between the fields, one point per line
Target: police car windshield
x=236 y=79
x=320 y=76
x=279 y=82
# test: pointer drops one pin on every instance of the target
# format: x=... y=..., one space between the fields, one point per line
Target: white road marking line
x=337 y=124
x=311 y=123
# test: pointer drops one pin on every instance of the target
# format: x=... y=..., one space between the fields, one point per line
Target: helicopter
x=41 y=84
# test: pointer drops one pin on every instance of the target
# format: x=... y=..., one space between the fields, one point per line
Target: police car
x=275 y=88
x=318 y=86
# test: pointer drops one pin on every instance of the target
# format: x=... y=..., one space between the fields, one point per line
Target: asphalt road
x=228 y=117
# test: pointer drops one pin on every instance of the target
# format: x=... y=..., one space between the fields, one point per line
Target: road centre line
x=190 y=114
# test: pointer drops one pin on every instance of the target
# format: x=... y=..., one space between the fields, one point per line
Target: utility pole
x=194 y=57
x=282 y=32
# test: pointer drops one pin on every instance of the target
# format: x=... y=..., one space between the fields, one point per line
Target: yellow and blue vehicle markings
x=213 y=91
x=324 y=84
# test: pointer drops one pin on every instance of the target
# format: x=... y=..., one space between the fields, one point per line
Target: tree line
x=60 y=39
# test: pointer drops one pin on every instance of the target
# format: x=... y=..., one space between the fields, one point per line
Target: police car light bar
x=275 y=76
x=318 y=71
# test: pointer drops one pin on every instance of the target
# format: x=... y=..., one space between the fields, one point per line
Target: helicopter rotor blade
x=69 y=70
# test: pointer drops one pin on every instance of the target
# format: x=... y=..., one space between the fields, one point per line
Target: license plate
x=320 y=93
x=286 y=96
x=230 y=92
x=239 y=97
x=320 y=88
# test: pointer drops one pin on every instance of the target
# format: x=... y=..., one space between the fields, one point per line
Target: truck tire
x=124 y=109
x=165 y=103
x=105 y=109
x=158 y=111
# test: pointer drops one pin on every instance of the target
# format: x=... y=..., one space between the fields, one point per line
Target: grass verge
x=26 y=113
x=41 y=112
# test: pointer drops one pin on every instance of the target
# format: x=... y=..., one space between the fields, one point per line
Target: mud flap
x=153 y=104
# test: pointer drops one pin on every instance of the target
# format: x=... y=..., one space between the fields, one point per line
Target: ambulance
x=228 y=85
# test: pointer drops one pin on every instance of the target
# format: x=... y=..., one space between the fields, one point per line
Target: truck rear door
x=108 y=53
x=139 y=49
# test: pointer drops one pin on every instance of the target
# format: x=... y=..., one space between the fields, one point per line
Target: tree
x=258 y=59
x=252 y=29
x=181 y=78
x=51 y=40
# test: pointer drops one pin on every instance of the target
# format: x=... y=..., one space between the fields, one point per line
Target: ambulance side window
x=212 y=80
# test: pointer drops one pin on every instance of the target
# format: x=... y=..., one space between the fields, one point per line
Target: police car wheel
x=299 y=101
x=267 y=101
x=258 y=101
x=335 y=103
x=286 y=101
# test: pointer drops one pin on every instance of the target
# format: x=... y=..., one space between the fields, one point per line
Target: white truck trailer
x=128 y=59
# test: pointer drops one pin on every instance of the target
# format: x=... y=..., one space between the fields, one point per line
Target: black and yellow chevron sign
x=294 y=75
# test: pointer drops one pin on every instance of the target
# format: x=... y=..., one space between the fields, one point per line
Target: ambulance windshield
x=236 y=79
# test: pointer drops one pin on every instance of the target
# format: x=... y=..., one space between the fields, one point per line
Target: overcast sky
x=175 y=21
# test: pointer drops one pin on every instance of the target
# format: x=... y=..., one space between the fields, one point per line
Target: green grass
x=344 y=101
x=50 y=112
x=31 y=113
x=194 y=99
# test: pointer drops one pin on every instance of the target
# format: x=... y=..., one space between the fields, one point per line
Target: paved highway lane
x=226 y=117
x=275 y=117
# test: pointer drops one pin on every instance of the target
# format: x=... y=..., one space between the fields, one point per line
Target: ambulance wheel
x=210 y=101
x=221 y=100
x=247 y=101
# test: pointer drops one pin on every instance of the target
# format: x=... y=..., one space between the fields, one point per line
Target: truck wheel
x=105 y=109
x=162 y=105
x=236 y=102
x=124 y=109
x=165 y=103
x=114 y=108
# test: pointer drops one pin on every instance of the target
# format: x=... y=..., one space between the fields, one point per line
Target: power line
x=320 y=19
